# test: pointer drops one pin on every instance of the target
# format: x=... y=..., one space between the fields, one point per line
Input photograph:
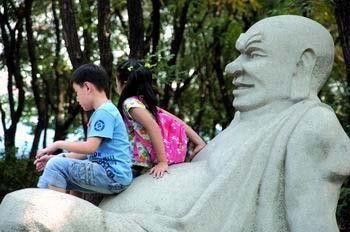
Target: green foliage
x=212 y=27
x=343 y=210
x=16 y=174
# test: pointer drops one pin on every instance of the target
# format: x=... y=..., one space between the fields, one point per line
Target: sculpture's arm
x=317 y=162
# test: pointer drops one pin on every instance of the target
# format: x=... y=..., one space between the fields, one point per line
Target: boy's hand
x=196 y=150
x=159 y=170
x=44 y=155
x=40 y=163
x=49 y=150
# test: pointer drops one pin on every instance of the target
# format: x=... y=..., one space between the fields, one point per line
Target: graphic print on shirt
x=99 y=125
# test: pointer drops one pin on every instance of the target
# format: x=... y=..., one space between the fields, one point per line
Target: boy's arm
x=40 y=161
x=81 y=147
x=76 y=156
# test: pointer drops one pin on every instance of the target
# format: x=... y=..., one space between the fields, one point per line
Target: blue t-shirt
x=114 y=153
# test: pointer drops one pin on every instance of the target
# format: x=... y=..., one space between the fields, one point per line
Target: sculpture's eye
x=255 y=52
x=253 y=55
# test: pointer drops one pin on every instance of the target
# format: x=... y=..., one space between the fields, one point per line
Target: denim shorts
x=79 y=175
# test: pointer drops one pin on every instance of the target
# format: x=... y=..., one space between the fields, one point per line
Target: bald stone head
x=282 y=58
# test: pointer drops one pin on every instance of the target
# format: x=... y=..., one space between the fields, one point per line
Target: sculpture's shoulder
x=319 y=122
x=317 y=162
x=319 y=137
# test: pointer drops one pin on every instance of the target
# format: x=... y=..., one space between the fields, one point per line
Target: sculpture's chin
x=242 y=107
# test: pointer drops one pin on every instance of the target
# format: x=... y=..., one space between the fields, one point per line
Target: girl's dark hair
x=137 y=81
x=92 y=73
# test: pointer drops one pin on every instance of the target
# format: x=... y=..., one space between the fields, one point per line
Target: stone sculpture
x=278 y=166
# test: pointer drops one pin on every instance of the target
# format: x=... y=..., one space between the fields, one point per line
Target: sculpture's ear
x=301 y=80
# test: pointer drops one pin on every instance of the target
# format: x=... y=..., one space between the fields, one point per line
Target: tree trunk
x=70 y=34
x=12 y=41
x=104 y=37
x=77 y=58
x=179 y=28
x=155 y=27
x=37 y=86
x=152 y=33
x=305 y=8
x=342 y=13
x=217 y=65
x=198 y=119
x=86 y=15
x=136 y=29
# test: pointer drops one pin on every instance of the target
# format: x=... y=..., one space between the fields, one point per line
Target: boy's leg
x=55 y=174
x=81 y=175
x=57 y=189
x=44 y=181
x=88 y=176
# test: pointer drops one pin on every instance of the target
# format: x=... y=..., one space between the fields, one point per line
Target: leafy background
x=187 y=42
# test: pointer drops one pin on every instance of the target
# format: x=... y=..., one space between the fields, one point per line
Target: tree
x=342 y=14
x=136 y=29
x=12 y=37
x=104 y=36
x=38 y=87
x=179 y=22
x=77 y=58
x=188 y=43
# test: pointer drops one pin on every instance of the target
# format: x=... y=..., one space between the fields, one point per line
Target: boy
x=107 y=167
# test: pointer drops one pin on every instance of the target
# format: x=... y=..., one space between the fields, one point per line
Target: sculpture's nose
x=234 y=68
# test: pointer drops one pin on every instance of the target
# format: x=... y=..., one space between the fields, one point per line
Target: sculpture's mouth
x=240 y=85
x=241 y=88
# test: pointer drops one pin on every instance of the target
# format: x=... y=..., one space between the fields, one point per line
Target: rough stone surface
x=277 y=167
x=46 y=210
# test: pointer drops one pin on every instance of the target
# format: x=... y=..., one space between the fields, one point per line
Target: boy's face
x=83 y=96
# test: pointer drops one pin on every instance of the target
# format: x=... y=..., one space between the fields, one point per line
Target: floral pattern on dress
x=141 y=154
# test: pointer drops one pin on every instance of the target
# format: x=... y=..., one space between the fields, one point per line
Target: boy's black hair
x=137 y=81
x=92 y=73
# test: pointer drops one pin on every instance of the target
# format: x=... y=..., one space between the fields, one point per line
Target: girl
x=138 y=106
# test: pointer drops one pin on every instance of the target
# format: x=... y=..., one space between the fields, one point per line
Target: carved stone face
x=263 y=71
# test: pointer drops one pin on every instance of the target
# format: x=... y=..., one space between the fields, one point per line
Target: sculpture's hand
x=159 y=170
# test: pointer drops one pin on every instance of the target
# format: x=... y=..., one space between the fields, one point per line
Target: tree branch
x=70 y=34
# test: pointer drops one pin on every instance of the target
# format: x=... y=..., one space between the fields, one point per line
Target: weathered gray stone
x=278 y=166
x=47 y=210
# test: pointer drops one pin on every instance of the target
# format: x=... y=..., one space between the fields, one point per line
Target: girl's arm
x=198 y=142
x=143 y=117
x=194 y=138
